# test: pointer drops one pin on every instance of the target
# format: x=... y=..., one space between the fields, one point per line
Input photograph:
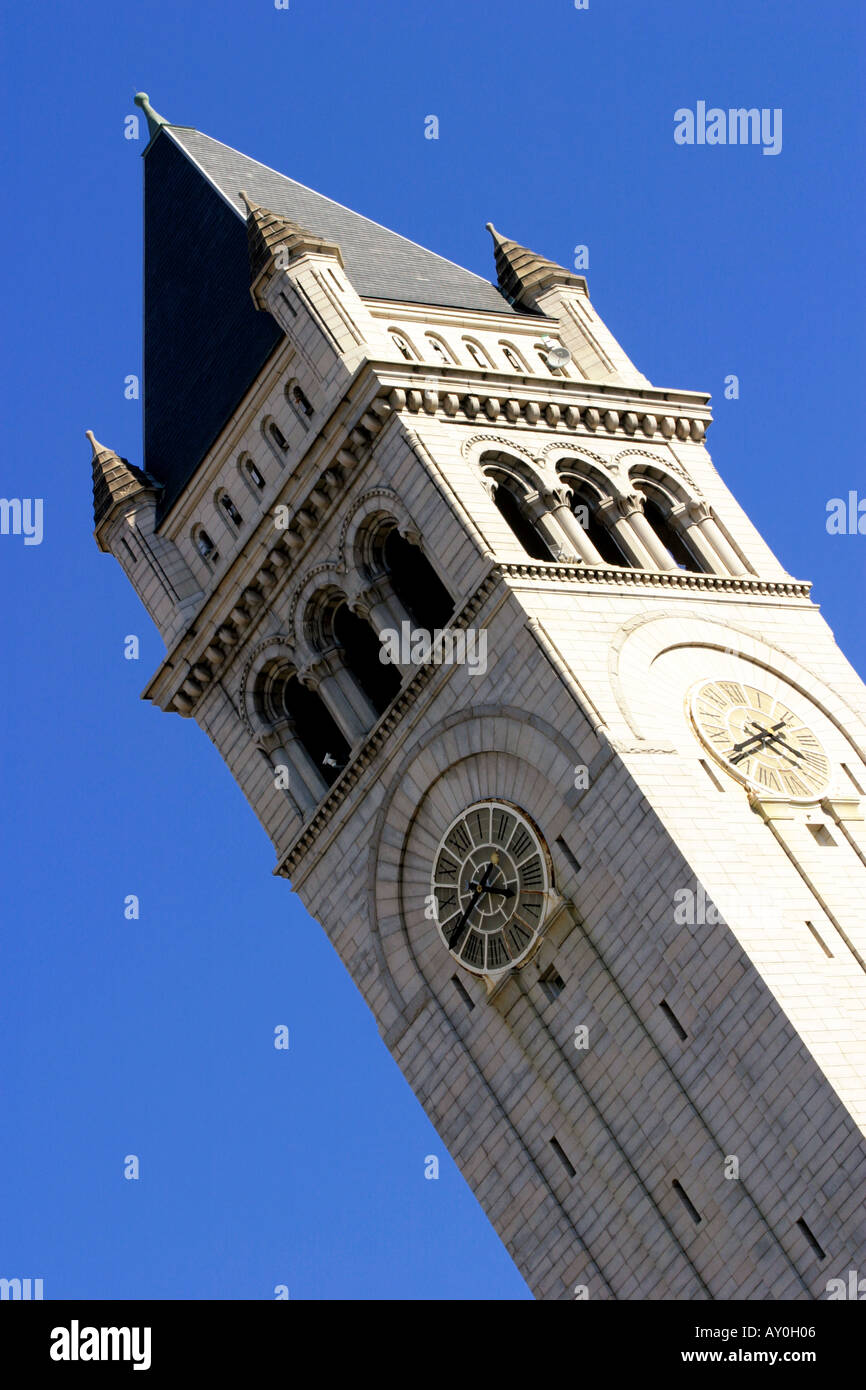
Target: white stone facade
x=588 y=667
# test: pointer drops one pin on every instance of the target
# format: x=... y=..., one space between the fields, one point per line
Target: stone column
x=623 y=514
x=341 y=694
x=543 y=511
x=379 y=605
x=284 y=748
x=703 y=524
x=689 y=518
x=581 y=544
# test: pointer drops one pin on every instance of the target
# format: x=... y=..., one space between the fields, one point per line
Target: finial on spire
x=154 y=120
x=523 y=274
x=115 y=479
x=95 y=444
x=248 y=202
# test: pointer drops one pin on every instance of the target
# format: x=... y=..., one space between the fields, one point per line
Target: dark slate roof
x=204 y=341
x=380 y=263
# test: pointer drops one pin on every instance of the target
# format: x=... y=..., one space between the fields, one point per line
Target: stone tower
x=568 y=767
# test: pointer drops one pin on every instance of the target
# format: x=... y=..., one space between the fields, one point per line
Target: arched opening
x=380 y=681
x=205 y=546
x=282 y=696
x=585 y=508
x=670 y=537
x=415 y=582
x=511 y=509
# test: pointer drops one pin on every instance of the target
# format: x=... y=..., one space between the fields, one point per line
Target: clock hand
x=478 y=889
x=759 y=739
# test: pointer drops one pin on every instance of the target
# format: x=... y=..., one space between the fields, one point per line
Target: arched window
x=513 y=358
x=512 y=509
x=670 y=537
x=205 y=546
x=402 y=346
x=251 y=472
x=415 y=581
x=361 y=650
x=278 y=437
x=477 y=353
x=231 y=510
x=299 y=403
x=438 y=347
x=282 y=696
x=585 y=507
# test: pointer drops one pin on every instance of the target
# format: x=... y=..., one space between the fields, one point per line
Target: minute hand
x=479 y=888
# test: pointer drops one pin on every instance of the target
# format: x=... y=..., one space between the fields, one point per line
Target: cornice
x=652 y=579
x=232 y=609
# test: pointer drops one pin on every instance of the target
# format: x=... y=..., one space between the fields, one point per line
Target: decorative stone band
x=665 y=579
x=378 y=737
x=571 y=416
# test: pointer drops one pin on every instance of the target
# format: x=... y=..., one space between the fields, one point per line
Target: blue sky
x=155 y=1037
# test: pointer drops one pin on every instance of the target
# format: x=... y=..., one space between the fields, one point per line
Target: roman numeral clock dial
x=759 y=740
x=491 y=885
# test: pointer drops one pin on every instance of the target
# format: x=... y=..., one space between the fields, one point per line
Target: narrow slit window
x=128 y=549
x=813 y=1241
x=820 y=940
x=712 y=776
x=463 y=992
x=673 y=1020
x=279 y=438
x=563 y=1158
x=572 y=858
x=687 y=1203
x=292 y=310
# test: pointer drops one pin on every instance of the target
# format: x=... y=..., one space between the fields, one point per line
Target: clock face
x=491 y=887
x=759 y=740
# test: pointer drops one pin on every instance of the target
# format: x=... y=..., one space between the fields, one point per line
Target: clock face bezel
x=509 y=934
x=769 y=710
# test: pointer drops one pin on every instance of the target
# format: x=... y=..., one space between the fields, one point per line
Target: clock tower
x=566 y=764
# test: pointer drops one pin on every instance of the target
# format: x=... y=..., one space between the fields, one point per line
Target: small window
x=299 y=400
x=205 y=546
x=513 y=358
x=541 y=353
x=231 y=511
x=686 y=1201
x=128 y=550
x=254 y=475
x=563 y=1158
x=439 y=349
x=552 y=983
x=477 y=353
x=402 y=346
x=673 y=1020
x=278 y=437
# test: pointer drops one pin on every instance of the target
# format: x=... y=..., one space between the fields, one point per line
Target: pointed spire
x=523 y=274
x=114 y=479
x=154 y=120
x=269 y=233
